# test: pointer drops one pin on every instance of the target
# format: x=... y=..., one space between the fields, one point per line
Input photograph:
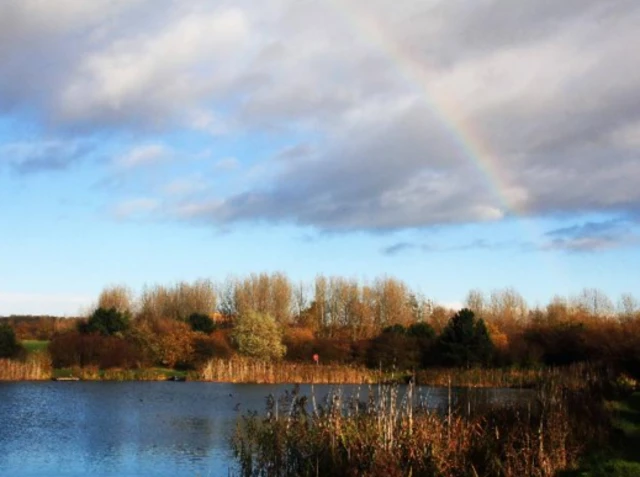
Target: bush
x=394 y=349
x=339 y=351
x=299 y=342
x=78 y=349
x=107 y=322
x=259 y=336
x=561 y=344
x=206 y=348
x=201 y=323
x=9 y=346
x=164 y=342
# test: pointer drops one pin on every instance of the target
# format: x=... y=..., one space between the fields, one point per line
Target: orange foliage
x=500 y=340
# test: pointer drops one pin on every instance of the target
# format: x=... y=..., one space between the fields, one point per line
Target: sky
x=453 y=144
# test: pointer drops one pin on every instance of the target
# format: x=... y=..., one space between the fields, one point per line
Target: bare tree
x=119 y=297
x=628 y=306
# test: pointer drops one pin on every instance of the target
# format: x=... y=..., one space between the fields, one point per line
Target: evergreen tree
x=107 y=322
x=465 y=341
x=9 y=346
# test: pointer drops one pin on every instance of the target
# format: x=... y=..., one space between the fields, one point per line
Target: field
x=35 y=346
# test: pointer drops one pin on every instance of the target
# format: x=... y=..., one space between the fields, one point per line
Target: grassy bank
x=622 y=457
x=37 y=365
x=35 y=346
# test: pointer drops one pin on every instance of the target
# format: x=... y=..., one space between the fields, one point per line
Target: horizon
x=451 y=146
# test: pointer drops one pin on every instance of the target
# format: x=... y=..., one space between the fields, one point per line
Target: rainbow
x=475 y=149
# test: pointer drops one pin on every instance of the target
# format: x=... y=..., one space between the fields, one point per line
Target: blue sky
x=156 y=141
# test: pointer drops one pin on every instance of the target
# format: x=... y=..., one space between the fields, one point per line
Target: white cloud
x=185 y=186
x=156 y=72
x=135 y=208
x=63 y=304
x=227 y=164
x=143 y=155
x=400 y=110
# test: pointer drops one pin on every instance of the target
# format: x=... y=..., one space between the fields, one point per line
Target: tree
x=9 y=346
x=425 y=335
x=107 y=322
x=201 y=322
x=394 y=348
x=119 y=297
x=465 y=341
x=178 y=302
x=259 y=336
x=421 y=330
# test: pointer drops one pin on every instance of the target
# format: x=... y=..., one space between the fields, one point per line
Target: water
x=146 y=428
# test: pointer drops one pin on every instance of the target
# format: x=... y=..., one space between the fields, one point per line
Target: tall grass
x=574 y=376
x=397 y=435
x=94 y=373
x=242 y=370
x=36 y=367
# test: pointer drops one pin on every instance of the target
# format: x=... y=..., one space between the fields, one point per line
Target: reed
x=398 y=435
x=94 y=373
x=35 y=367
x=242 y=370
x=575 y=376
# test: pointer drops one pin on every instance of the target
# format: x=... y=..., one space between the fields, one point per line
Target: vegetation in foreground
x=621 y=458
x=394 y=435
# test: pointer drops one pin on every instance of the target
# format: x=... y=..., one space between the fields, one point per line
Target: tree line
x=382 y=323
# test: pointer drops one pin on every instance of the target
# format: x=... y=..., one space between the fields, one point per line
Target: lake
x=148 y=428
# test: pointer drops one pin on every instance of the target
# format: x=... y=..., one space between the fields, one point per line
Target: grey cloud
x=393 y=114
x=478 y=244
x=32 y=158
x=397 y=248
x=594 y=236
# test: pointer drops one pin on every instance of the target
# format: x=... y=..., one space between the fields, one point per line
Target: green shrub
x=9 y=346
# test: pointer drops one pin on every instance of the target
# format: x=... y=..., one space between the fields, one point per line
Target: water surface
x=75 y=429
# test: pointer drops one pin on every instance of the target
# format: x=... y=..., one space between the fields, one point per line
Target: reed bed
x=34 y=368
x=240 y=370
x=394 y=435
x=574 y=377
x=94 y=373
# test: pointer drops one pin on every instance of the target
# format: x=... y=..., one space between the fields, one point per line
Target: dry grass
x=36 y=367
x=240 y=370
x=574 y=377
x=394 y=435
x=94 y=373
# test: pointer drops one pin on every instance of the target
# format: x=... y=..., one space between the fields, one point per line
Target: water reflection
x=160 y=429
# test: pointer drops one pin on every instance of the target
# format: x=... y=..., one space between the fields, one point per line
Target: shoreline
x=259 y=372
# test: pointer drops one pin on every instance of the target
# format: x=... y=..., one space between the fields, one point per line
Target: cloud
x=62 y=304
x=42 y=156
x=478 y=244
x=142 y=78
x=185 y=186
x=227 y=164
x=398 y=248
x=135 y=208
x=594 y=236
x=143 y=155
x=435 y=113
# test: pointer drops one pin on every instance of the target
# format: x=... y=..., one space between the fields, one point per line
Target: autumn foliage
x=382 y=324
